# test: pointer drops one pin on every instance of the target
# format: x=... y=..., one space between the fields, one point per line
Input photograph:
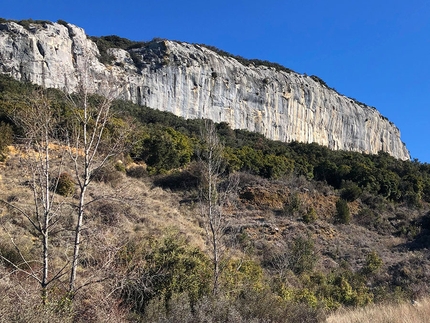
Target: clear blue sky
x=376 y=51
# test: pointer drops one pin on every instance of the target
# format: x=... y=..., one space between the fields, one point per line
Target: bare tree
x=214 y=197
x=39 y=121
x=93 y=141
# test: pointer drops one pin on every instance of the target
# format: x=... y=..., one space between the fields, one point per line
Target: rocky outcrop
x=193 y=81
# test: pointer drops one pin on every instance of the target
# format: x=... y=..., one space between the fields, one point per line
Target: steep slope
x=193 y=81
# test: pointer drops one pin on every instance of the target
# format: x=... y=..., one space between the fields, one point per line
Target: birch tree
x=39 y=122
x=213 y=197
x=94 y=140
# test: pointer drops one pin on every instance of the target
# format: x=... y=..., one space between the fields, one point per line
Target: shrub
x=170 y=268
x=166 y=149
x=350 y=192
x=6 y=139
x=239 y=276
x=10 y=253
x=62 y=22
x=107 y=174
x=65 y=185
x=16 y=253
x=310 y=216
x=109 y=212
x=342 y=212
x=180 y=180
x=136 y=171
x=303 y=255
x=373 y=263
x=255 y=307
x=293 y=205
x=28 y=22
x=120 y=167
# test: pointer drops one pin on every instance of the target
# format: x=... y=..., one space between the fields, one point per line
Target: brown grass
x=417 y=312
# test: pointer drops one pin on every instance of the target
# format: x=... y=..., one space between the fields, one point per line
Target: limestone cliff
x=193 y=81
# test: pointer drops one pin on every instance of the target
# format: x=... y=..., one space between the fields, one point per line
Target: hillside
x=304 y=231
x=196 y=81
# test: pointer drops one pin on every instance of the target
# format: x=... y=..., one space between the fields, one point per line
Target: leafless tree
x=214 y=197
x=93 y=142
x=39 y=121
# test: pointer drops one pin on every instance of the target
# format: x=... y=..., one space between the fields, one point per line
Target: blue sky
x=377 y=52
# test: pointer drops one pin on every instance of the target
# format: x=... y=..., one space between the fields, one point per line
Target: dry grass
x=417 y=312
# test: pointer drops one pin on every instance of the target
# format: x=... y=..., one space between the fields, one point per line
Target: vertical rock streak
x=194 y=82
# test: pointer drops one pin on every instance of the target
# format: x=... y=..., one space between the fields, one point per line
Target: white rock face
x=194 y=82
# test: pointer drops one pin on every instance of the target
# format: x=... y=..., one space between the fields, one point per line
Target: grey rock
x=193 y=81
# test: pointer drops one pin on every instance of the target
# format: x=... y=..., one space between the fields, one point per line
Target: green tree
x=342 y=211
x=350 y=191
x=252 y=159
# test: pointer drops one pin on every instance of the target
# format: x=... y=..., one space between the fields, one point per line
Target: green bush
x=350 y=191
x=343 y=291
x=293 y=205
x=187 y=179
x=65 y=185
x=276 y=166
x=120 y=167
x=303 y=255
x=28 y=22
x=170 y=268
x=240 y=275
x=310 y=216
x=166 y=149
x=343 y=214
x=373 y=263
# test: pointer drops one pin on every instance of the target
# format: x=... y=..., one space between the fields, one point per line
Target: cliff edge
x=194 y=81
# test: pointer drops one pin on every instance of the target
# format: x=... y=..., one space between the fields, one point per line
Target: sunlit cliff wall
x=193 y=81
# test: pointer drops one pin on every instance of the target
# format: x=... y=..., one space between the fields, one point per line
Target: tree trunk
x=77 y=242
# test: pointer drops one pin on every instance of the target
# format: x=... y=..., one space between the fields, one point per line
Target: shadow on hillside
x=422 y=239
x=178 y=181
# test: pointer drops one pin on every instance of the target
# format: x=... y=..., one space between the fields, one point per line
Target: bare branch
x=30 y=272
x=214 y=198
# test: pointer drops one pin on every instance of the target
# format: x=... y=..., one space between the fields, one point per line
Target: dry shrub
x=251 y=307
x=180 y=180
x=22 y=305
x=107 y=174
x=25 y=305
x=137 y=171
x=18 y=252
x=109 y=212
x=94 y=307
x=65 y=185
x=247 y=179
